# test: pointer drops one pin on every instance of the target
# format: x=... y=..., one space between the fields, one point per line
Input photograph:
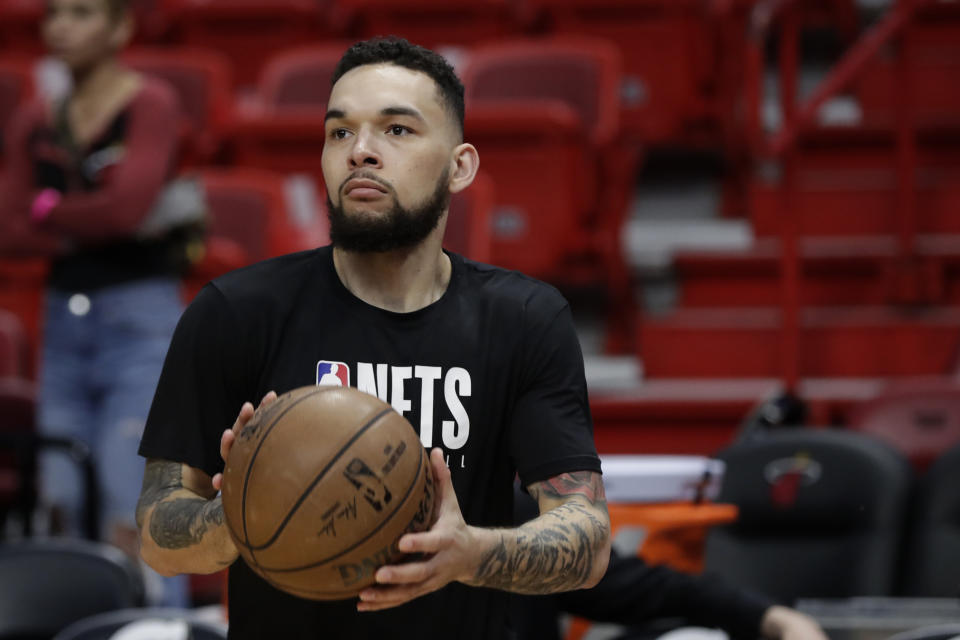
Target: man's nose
x=363 y=153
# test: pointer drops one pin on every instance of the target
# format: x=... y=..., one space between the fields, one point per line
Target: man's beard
x=398 y=228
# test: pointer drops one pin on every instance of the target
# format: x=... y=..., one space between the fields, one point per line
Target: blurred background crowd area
x=753 y=205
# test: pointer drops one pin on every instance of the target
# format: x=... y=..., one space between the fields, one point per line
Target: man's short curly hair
x=393 y=50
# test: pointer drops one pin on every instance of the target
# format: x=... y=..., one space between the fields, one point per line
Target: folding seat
x=16 y=85
x=202 y=81
x=932 y=559
x=13 y=346
x=429 y=23
x=820 y=514
x=283 y=128
x=544 y=117
x=20 y=26
x=299 y=78
x=47 y=584
x=286 y=143
x=468 y=223
x=667 y=52
x=22 y=284
x=250 y=207
x=918 y=417
x=932 y=65
x=248 y=32
x=248 y=221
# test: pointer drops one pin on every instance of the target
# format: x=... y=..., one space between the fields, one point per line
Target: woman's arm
x=120 y=206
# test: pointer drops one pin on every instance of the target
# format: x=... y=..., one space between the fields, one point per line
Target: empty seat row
x=832 y=514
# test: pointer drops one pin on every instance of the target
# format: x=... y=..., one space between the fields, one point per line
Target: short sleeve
x=551 y=431
x=202 y=386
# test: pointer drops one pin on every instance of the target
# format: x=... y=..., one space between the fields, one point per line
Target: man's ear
x=464 y=165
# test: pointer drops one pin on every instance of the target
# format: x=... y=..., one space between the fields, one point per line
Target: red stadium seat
x=429 y=23
x=559 y=220
x=299 y=78
x=20 y=26
x=252 y=217
x=666 y=48
x=933 y=65
x=13 y=346
x=247 y=31
x=16 y=86
x=281 y=142
x=249 y=206
x=468 y=224
x=22 y=283
x=920 y=418
x=201 y=78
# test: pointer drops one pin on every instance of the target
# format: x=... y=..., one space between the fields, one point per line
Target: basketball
x=320 y=485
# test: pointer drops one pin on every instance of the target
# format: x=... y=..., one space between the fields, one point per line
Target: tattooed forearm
x=559 y=550
x=177 y=522
x=584 y=483
x=182 y=522
x=160 y=479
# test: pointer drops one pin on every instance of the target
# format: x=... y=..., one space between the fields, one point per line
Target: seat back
x=143 y=624
x=920 y=418
x=248 y=32
x=16 y=85
x=299 y=78
x=581 y=73
x=202 y=81
x=820 y=514
x=468 y=223
x=47 y=584
x=430 y=23
x=249 y=207
x=932 y=567
x=13 y=346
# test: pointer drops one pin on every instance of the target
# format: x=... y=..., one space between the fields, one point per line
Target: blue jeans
x=102 y=356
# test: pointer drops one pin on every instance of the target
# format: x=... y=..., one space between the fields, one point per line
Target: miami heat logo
x=787 y=475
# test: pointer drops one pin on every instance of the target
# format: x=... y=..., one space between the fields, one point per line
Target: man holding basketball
x=483 y=362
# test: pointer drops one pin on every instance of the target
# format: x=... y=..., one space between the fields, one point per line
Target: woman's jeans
x=102 y=356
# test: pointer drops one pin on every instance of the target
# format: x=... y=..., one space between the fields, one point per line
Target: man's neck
x=400 y=281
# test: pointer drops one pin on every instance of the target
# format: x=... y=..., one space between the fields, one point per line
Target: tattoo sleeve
x=180 y=519
x=558 y=550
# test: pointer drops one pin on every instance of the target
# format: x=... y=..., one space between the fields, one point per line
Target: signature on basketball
x=353 y=572
x=368 y=483
x=338 y=511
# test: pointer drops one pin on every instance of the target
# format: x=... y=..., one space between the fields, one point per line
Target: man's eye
x=338 y=134
x=399 y=130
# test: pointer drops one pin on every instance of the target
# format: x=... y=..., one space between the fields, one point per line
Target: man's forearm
x=565 y=548
x=180 y=530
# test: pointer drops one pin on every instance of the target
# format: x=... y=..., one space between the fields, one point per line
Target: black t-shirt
x=491 y=372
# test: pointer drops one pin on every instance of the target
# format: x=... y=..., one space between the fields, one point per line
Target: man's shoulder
x=512 y=289
x=268 y=280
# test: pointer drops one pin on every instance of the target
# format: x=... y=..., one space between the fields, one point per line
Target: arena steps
x=836 y=272
x=834 y=342
x=699 y=416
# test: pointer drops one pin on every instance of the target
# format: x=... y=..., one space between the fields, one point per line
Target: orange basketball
x=320 y=485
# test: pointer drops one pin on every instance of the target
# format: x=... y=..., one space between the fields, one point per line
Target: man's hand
x=230 y=435
x=451 y=548
x=784 y=623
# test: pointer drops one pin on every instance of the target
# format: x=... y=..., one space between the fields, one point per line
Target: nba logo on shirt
x=331 y=373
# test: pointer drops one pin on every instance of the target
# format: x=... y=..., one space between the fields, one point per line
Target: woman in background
x=84 y=174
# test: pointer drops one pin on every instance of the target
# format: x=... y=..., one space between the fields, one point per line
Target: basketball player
x=483 y=362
